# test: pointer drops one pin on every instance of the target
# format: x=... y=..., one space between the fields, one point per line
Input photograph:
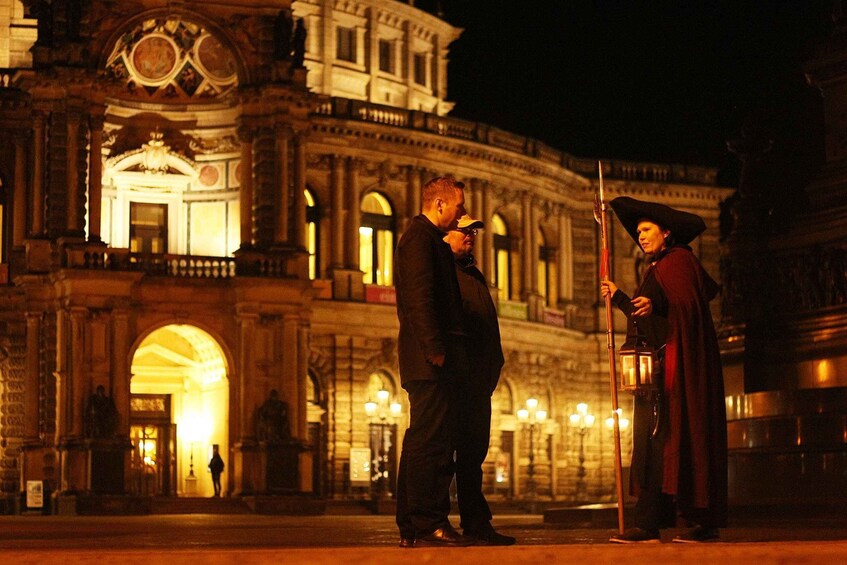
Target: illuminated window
x=312 y=233
x=543 y=266
x=502 y=257
x=313 y=390
x=376 y=240
x=345 y=44
x=420 y=68
x=386 y=56
x=148 y=228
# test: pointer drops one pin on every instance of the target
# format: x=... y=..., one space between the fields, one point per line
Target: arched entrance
x=179 y=410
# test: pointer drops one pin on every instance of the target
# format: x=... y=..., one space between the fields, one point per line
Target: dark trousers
x=474 y=431
x=216 y=481
x=426 y=463
x=656 y=509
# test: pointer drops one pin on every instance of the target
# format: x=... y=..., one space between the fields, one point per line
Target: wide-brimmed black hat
x=684 y=226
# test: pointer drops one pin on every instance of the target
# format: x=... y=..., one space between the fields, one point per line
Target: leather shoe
x=636 y=535
x=698 y=535
x=444 y=537
x=407 y=542
x=490 y=537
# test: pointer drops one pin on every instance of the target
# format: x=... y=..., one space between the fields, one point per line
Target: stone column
x=486 y=253
x=299 y=200
x=373 y=55
x=72 y=173
x=328 y=43
x=37 y=218
x=95 y=176
x=337 y=212
x=248 y=474
x=121 y=380
x=246 y=333
x=283 y=134
x=528 y=238
x=20 y=195
x=351 y=256
x=76 y=370
x=305 y=461
x=264 y=190
x=33 y=375
x=300 y=377
x=535 y=256
x=413 y=195
x=565 y=257
x=245 y=135
x=61 y=374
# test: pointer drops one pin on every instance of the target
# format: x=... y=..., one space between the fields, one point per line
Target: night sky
x=664 y=81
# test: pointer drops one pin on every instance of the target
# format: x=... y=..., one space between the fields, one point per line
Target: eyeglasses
x=468 y=231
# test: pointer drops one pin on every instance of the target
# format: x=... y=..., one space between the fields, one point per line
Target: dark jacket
x=216 y=465
x=428 y=305
x=485 y=354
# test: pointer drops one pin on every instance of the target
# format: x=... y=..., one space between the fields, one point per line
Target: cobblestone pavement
x=337 y=540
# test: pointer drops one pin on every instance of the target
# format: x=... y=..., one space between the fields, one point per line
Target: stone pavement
x=337 y=540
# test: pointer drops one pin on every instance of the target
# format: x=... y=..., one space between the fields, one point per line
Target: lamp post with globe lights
x=581 y=421
x=382 y=415
x=531 y=419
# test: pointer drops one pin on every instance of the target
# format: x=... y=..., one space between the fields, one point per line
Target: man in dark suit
x=432 y=359
x=474 y=394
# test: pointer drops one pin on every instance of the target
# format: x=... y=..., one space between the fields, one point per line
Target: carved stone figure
x=273 y=425
x=299 y=44
x=282 y=36
x=101 y=416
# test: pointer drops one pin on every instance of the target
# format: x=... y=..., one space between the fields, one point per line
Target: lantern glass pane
x=628 y=375
x=645 y=368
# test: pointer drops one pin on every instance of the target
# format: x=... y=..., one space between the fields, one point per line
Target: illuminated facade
x=192 y=220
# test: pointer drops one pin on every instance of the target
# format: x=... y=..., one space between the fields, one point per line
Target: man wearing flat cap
x=679 y=460
x=485 y=357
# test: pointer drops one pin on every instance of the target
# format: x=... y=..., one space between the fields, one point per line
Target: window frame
x=313 y=248
x=345 y=44
x=378 y=223
x=387 y=59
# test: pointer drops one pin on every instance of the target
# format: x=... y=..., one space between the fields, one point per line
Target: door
x=153 y=464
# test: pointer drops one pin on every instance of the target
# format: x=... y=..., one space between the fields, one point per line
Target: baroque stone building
x=200 y=204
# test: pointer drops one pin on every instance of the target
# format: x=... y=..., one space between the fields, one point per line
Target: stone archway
x=179 y=411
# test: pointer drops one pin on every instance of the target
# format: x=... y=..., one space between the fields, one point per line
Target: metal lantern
x=638 y=366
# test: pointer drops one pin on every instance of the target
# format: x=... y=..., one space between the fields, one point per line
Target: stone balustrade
x=361 y=110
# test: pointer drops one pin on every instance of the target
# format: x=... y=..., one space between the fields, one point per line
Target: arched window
x=543 y=265
x=312 y=233
x=502 y=257
x=313 y=389
x=376 y=240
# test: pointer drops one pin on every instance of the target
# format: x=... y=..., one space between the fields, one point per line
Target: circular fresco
x=209 y=175
x=154 y=58
x=215 y=58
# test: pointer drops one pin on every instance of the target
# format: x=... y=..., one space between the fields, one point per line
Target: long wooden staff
x=600 y=216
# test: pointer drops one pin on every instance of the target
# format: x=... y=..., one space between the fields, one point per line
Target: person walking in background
x=432 y=360
x=485 y=356
x=216 y=466
x=679 y=458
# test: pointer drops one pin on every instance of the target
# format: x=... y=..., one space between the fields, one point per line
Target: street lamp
x=383 y=414
x=581 y=421
x=530 y=417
